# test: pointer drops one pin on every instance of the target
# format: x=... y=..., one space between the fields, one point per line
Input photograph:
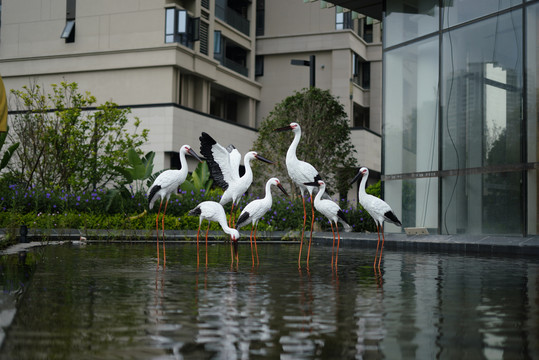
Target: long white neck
x=291 y=153
x=362 y=191
x=183 y=163
x=268 y=192
x=321 y=191
x=225 y=226
x=248 y=176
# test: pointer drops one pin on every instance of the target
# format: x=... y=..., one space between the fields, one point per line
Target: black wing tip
x=153 y=190
x=392 y=218
x=242 y=219
x=341 y=215
x=195 y=212
x=317 y=177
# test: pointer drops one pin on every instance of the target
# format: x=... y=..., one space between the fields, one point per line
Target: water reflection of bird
x=254 y=211
x=379 y=210
x=224 y=166
x=213 y=211
x=165 y=185
x=300 y=172
x=333 y=212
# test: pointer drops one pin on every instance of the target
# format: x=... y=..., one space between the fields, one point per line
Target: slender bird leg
x=338 y=245
x=251 y=240
x=256 y=248
x=378 y=244
x=231 y=255
x=163 y=237
x=230 y=222
x=382 y=247
x=302 y=231
x=207 y=229
x=198 y=233
x=332 y=246
x=311 y=237
x=157 y=230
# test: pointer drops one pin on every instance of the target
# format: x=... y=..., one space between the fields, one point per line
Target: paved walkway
x=519 y=245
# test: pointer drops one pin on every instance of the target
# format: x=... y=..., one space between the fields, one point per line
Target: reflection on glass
x=532 y=52
x=459 y=11
x=406 y=20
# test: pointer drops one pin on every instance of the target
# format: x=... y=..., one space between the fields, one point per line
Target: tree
x=325 y=140
x=64 y=144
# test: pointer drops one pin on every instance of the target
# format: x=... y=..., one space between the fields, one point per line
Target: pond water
x=109 y=301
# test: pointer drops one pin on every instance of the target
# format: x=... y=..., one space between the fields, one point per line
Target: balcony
x=232 y=16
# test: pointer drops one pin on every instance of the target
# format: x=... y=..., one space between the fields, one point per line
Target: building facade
x=460 y=115
x=187 y=66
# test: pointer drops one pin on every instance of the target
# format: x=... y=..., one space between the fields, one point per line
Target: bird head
x=362 y=172
x=254 y=155
x=234 y=235
x=276 y=182
x=315 y=183
x=292 y=126
x=186 y=149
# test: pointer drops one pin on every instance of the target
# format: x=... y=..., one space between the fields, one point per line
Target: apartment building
x=186 y=66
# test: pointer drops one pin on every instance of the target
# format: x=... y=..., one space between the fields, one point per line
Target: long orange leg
x=312 y=224
x=251 y=240
x=198 y=233
x=163 y=222
x=157 y=230
x=207 y=229
x=302 y=231
x=230 y=221
x=332 y=246
x=338 y=245
x=256 y=248
x=382 y=248
x=377 y=245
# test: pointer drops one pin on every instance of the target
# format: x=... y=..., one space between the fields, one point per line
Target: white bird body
x=213 y=211
x=169 y=180
x=165 y=185
x=224 y=167
x=253 y=212
x=333 y=212
x=301 y=172
x=377 y=208
x=329 y=208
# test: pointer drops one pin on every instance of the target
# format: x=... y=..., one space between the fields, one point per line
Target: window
x=361 y=71
x=343 y=20
x=181 y=28
x=259 y=65
x=69 y=29
x=217 y=45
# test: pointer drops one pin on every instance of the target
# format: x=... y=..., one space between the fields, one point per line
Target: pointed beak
x=314 y=183
x=356 y=178
x=282 y=189
x=194 y=154
x=285 y=128
x=263 y=159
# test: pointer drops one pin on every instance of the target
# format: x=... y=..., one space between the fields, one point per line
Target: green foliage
x=199 y=180
x=66 y=146
x=9 y=152
x=325 y=141
x=138 y=169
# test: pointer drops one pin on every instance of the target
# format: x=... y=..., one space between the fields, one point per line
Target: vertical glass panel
x=169 y=25
x=410 y=108
x=182 y=21
x=411 y=130
x=532 y=65
x=482 y=204
x=459 y=11
x=415 y=201
x=481 y=127
x=407 y=20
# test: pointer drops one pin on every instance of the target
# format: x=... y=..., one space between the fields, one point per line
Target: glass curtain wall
x=455 y=148
x=532 y=82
